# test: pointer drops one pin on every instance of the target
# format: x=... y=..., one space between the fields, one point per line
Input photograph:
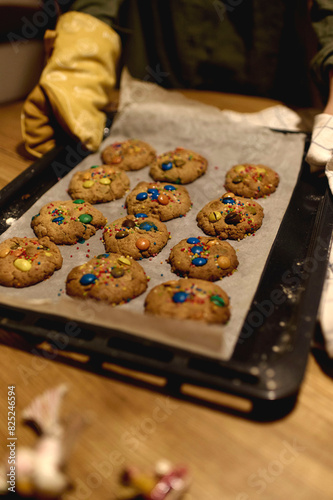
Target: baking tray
x=269 y=360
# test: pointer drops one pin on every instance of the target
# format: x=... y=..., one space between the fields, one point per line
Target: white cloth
x=319 y=158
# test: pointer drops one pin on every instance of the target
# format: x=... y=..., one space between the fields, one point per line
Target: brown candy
x=117 y=272
x=233 y=218
x=128 y=223
x=122 y=233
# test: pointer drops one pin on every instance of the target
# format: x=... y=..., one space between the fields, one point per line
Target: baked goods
x=66 y=222
x=109 y=277
x=251 y=181
x=132 y=154
x=99 y=184
x=180 y=166
x=164 y=201
x=230 y=217
x=203 y=258
x=27 y=261
x=138 y=237
x=189 y=299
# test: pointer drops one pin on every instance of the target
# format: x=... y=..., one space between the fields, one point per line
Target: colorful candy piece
x=117 y=272
x=85 y=218
x=217 y=300
x=141 y=196
x=22 y=264
x=193 y=241
x=197 y=249
x=179 y=297
x=88 y=279
x=142 y=243
x=199 y=261
x=163 y=199
x=167 y=166
x=88 y=184
x=214 y=216
x=105 y=181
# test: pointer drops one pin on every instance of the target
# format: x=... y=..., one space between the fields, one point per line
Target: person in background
x=281 y=50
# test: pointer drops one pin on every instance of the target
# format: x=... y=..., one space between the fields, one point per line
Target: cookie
x=132 y=154
x=109 y=277
x=138 y=237
x=203 y=258
x=180 y=166
x=99 y=184
x=189 y=299
x=164 y=201
x=251 y=181
x=66 y=222
x=230 y=217
x=27 y=261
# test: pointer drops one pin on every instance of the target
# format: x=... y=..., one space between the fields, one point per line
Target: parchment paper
x=166 y=119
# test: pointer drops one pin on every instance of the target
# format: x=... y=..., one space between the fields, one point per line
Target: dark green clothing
x=253 y=47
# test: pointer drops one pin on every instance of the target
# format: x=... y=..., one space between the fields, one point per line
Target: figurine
x=40 y=470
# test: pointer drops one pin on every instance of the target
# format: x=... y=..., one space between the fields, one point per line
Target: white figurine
x=39 y=470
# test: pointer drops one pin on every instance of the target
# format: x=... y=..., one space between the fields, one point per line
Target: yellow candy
x=88 y=184
x=223 y=262
x=214 y=216
x=212 y=243
x=261 y=170
x=48 y=254
x=239 y=168
x=4 y=251
x=105 y=180
x=22 y=264
x=123 y=260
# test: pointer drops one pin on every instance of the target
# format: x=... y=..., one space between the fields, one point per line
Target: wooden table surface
x=133 y=421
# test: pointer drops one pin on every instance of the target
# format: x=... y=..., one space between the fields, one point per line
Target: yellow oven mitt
x=74 y=87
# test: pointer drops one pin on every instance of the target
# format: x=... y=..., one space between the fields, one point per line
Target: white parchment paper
x=166 y=119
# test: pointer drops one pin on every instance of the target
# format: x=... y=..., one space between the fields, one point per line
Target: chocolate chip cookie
x=138 y=237
x=189 y=299
x=180 y=166
x=203 y=258
x=27 y=261
x=109 y=277
x=66 y=222
x=230 y=217
x=164 y=201
x=99 y=184
x=251 y=181
x=132 y=154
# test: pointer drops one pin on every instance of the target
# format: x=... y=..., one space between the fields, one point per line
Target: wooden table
x=133 y=421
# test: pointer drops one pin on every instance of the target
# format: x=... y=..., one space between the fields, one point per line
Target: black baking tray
x=270 y=357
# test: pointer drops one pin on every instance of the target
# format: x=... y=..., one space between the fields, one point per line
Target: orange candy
x=116 y=159
x=142 y=243
x=163 y=199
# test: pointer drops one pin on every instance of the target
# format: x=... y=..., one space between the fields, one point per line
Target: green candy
x=217 y=300
x=78 y=202
x=85 y=218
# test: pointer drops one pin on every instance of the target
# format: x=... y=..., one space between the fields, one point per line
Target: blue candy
x=179 y=297
x=142 y=196
x=167 y=166
x=88 y=279
x=197 y=249
x=141 y=215
x=228 y=200
x=58 y=220
x=169 y=187
x=152 y=191
x=146 y=226
x=193 y=241
x=199 y=261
